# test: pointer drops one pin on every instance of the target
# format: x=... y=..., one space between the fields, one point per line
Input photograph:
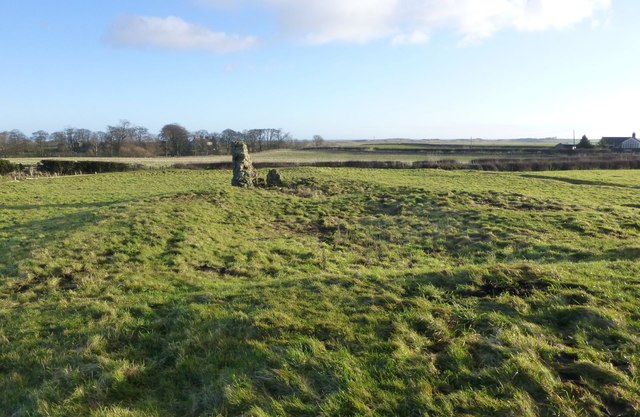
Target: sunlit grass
x=346 y=292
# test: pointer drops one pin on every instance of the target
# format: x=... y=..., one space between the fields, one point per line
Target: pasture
x=346 y=292
x=396 y=153
x=285 y=155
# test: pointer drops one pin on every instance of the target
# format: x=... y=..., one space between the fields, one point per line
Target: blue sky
x=339 y=68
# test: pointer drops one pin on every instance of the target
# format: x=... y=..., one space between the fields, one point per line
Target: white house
x=621 y=143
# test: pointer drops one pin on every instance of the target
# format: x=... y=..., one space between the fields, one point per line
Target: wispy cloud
x=412 y=21
x=413 y=38
x=173 y=33
x=476 y=21
x=323 y=21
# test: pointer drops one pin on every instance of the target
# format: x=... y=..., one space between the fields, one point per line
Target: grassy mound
x=345 y=292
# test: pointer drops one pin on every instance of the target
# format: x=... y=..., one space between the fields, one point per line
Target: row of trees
x=127 y=139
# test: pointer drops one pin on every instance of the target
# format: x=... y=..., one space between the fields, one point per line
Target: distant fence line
x=608 y=161
x=564 y=163
x=445 y=149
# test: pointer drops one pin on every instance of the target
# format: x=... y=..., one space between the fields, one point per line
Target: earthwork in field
x=343 y=292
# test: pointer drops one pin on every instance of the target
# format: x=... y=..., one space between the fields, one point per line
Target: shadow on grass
x=472 y=301
x=579 y=181
x=35 y=234
x=193 y=363
x=24 y=237
x=167 y=358
x=22 y=207
x=301 y=346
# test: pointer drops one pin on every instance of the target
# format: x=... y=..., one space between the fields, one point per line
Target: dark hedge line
x=83 y=167
x=6 y=167
x=327 y=164
x=558 y=163
x=459 y=148
x=514 y=164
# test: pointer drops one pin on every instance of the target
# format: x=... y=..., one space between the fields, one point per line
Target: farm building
x=564 y=147
x=621 y=142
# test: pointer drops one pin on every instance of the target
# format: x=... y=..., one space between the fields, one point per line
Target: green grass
x=347 y=292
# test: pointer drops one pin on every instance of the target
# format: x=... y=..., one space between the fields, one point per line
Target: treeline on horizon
x=128 y=140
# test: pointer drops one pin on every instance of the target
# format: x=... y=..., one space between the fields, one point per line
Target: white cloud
x=413 y=38
x=323 y=21
x=412 y=21
x=173 y=33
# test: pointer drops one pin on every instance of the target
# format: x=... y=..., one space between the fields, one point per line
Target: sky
x=342 y=69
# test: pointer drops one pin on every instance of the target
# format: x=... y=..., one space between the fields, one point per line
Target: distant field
x=281 y=156
x=345 y=293
x=353 y=151
x=385 y=153
x=404 y=143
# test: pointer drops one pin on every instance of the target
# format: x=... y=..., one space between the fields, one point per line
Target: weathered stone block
x=244 y=174
x=274 y=179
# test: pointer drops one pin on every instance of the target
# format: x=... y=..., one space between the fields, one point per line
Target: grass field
x=285 y=155
x=347 y=292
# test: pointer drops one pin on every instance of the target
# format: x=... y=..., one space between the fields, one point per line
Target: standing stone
x=274 y=179
x=244 y=174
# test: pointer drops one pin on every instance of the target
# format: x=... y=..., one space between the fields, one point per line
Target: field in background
x=349 y=151
x=275 y=156
x=454 y=142
x=346 y=292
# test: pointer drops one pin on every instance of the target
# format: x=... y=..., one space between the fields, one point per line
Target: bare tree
x=57 y=139
x=259 y=140
x=126 y=139
x=270 y=139
x=16 y=136
x=253 y=139
x=17 y=142
x=40 y=138
x=96 y=142
x=227 y=137
x=4 y=139
x=202 y=142
x=176 y=139
x=82 y=139
x=141 y=134
x=119 y=134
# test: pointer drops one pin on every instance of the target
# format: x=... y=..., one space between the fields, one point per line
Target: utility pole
x=574 y=137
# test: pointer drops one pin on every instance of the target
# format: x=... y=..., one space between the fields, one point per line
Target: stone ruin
x=274 y=179
x=244 y=174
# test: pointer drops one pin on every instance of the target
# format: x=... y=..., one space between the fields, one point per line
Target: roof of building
x=616 y=140
x=565 y=146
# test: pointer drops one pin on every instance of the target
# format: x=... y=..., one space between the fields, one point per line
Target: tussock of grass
x=346 y=292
